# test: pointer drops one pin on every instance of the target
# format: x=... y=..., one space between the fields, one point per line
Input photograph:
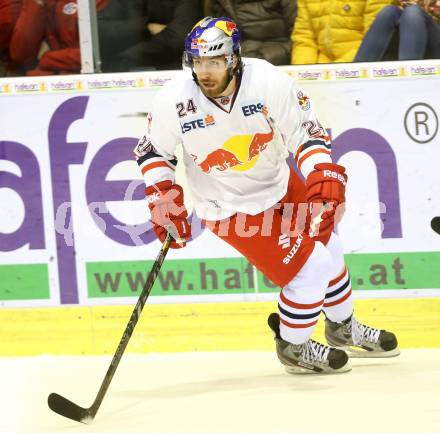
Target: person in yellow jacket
x=328 y=31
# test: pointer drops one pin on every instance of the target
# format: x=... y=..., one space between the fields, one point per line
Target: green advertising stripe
x=419 y=270
x=177 y=277
x=390 y=271
x=26 y=281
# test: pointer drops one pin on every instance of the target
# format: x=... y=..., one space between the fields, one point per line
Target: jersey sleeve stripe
x=304 y=146
x=155 y=160
x=312 y=152
x=150 y=155
x=158 y=174
x=157 y=164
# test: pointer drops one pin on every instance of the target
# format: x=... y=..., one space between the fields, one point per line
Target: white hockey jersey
x=234 y=155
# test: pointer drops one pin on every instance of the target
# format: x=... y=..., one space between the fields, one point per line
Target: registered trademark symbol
x=421 y=123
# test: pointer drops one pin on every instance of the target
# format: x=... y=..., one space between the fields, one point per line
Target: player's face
x=212 y=74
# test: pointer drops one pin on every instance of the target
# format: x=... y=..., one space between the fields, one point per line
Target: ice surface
x=228 y=392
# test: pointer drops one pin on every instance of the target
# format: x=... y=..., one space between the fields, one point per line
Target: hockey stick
x=135 y=114
x=317 y=219
x=65 y=407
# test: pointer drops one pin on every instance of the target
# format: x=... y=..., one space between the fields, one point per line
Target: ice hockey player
x=237 y=120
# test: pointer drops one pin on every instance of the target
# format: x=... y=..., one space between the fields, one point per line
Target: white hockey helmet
x=212 y=37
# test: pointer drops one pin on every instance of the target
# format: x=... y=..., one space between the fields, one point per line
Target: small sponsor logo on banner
x=157 y=82
x=66 y=85
x=125 y=84
x=350 y=73
x=99 y=84
x=30 y=87
x=385 y=72
x=118 y=83
x=424 y=70
x=312 y=75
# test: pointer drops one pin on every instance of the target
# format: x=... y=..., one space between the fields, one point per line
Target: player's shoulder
x=181 y=85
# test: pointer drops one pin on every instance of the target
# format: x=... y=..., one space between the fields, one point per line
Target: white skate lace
x=314 y=351
x=360 y=332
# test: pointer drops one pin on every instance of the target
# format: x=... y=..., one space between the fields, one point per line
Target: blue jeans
x=417 y=33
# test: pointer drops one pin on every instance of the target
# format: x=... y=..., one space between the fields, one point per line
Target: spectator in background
x=265 y=26
x=418 y=23
x=9 y=12
x=166 y=27
x=45 y=37
x=328 y=31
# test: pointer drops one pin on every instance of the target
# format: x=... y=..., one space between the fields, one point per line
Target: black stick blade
x=66 y=408
x=435 y=224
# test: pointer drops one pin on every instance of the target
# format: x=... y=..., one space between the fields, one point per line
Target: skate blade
x=301 y=370
x=362 y=353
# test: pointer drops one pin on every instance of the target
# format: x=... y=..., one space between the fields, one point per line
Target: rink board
x=74 y=227
x=78 y=255
x=238 y=326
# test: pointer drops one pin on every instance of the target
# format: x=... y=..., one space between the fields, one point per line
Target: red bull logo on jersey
x=219 y=159
x=198 y=123
x=239 y=153
x=259 y=143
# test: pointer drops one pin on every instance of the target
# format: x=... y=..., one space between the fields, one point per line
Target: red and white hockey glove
x=165 y=200
x=326 y=184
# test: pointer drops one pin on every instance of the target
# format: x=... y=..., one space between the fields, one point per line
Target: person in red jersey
x=237 y=119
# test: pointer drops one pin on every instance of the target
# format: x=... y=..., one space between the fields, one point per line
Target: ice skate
x=309 y=357
x=361 y=341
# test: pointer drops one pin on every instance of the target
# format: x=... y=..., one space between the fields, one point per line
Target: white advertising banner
x=74 y=226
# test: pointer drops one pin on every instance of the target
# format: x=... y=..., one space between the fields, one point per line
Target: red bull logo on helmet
x=199 y=44
x=227 y=26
